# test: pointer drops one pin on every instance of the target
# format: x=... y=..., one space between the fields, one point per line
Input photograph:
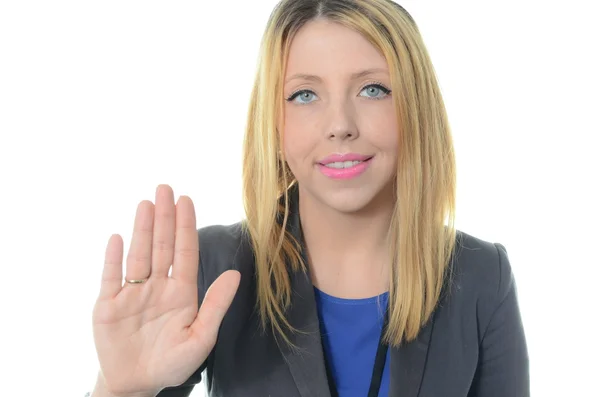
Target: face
x=340 y=130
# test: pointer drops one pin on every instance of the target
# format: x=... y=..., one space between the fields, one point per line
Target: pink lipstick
x=344 y=166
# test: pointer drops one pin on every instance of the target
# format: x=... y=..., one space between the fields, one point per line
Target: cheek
x=295 y=147
x=387 y=121
x=299 y=137
x=381 y=126
x=390 y=139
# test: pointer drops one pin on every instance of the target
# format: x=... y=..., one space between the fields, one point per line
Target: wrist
x=100 y=390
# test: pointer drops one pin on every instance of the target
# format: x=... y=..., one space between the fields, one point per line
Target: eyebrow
x=353 y=76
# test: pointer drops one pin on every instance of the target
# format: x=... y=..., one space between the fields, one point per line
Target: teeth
x=343 y=164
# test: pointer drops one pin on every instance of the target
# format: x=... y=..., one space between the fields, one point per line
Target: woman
x=344 y=279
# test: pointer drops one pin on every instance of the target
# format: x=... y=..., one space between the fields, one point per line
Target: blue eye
x=377 y=87
x=372 y=88
x=303 y=94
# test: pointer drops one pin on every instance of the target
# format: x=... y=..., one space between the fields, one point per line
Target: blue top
x=350 y=332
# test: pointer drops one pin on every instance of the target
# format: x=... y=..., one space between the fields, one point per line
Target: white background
x=102 y=101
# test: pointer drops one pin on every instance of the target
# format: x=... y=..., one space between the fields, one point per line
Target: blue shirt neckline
x=347 y=301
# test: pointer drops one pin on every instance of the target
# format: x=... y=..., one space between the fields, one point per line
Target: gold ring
x=136 y=281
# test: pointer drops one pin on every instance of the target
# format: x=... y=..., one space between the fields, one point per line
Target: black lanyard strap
x=379 y=361
x=377 y=367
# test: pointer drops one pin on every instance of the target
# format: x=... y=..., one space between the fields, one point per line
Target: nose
x=343 y=135
x=342 y=124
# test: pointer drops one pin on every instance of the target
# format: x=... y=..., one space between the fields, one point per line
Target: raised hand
x=151 y=335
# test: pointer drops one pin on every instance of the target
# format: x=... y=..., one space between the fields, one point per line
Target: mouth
x=344 y=160
x=347 y=169
x=344 y=164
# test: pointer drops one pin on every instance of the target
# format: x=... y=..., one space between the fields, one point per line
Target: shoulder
x=481 y=277
x=222 y=247
x=219 y=239
x=481 y=266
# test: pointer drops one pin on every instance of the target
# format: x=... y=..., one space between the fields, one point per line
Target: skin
x=153 y=335
x=345 y=221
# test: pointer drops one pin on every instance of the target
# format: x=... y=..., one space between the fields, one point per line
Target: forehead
x=324 y=47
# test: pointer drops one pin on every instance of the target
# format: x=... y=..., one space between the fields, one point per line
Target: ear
x=280 y=141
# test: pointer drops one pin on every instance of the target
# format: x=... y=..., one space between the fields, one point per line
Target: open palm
x=151 y=335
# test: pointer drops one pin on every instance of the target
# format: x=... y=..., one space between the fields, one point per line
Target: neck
x=348 y=253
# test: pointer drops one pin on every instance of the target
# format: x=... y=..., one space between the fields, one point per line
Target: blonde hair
x=421 y=245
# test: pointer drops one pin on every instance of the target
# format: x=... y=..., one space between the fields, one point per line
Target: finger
x=140 y=249
x=216 y=302
x=186 y=258
x=112 y=273
x=163 y=239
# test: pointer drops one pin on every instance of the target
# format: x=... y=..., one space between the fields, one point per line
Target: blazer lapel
x=306 y=361
x=408 y=363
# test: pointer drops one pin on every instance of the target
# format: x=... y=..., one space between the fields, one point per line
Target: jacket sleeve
x=503 y=367
x=185 y=389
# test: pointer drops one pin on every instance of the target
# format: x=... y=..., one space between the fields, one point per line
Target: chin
x=350 y=200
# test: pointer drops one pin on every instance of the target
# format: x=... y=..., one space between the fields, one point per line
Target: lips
x=340 y=158
x=346 y=169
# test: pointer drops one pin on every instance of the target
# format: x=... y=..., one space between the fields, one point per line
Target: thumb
x=216 y=302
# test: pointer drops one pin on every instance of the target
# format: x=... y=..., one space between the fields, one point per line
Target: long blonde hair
x=421 y=244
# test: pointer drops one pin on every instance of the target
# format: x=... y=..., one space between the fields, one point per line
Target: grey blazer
x=473 y=344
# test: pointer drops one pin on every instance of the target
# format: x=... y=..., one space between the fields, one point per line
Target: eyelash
x=378 y=85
